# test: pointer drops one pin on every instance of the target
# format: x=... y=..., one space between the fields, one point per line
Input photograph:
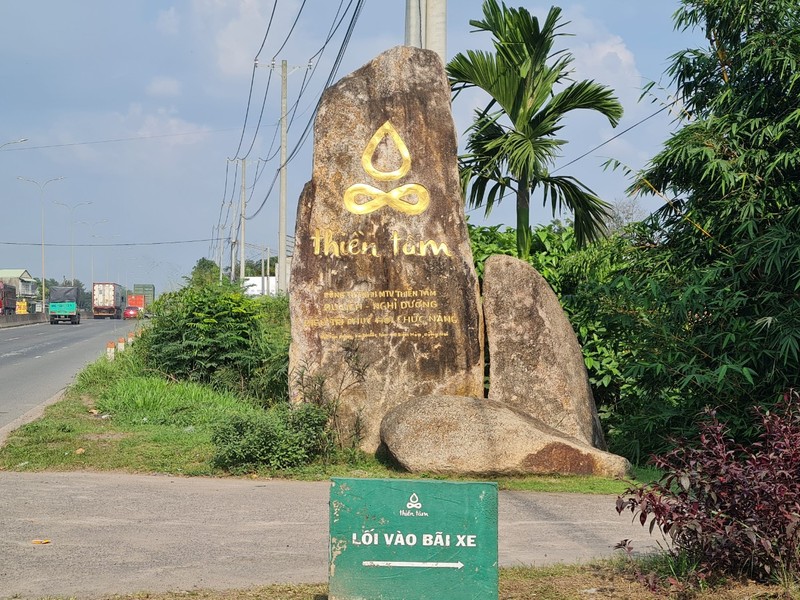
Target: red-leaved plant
x=732 y=509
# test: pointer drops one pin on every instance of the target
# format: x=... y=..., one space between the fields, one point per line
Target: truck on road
x=148 y=290
x=137 y=300
x=108 y=300
x=64 y=305
x=8 y=299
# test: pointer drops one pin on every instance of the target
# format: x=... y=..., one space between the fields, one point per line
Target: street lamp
x=103 y=237
x=41 y=201
x=72 y=235
x=91 y=229
x=19 y=141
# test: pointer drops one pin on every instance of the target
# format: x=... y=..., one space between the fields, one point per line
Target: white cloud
x=607 y=60
x=163 y=86
x=152 y=139
x=168 y=21
x=237 y=29
x=163 y=123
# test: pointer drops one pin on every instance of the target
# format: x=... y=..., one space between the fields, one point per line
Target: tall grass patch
x=103 y=373
x=142 y=400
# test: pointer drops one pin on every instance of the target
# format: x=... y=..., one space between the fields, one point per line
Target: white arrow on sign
x=424 y=565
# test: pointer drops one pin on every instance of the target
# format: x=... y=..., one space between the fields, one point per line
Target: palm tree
x=513 y=142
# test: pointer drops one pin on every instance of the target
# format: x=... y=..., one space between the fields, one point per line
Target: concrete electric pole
x=426 y=25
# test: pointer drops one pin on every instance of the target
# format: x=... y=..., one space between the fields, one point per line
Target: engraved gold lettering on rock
x=362 y=198
x=326 y=243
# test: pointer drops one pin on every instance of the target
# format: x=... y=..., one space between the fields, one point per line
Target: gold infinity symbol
x=378 y=198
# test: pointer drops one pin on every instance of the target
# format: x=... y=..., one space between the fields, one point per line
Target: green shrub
x=214 y=334
x=279 y=438
x=198 y=330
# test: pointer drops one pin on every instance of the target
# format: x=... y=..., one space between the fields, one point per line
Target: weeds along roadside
x=118 y=416
x=165 y=406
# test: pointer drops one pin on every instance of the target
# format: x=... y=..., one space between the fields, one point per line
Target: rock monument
x=536 y=362
x=387 y=322
x=385 y=303
x=477 y=436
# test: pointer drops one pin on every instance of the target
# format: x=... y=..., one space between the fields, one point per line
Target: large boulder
x=536 y=364
x=475 y=436
x=384 y=297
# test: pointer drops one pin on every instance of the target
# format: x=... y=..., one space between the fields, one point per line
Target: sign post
x=396 y=539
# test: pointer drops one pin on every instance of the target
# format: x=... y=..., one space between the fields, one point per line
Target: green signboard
x=396 y=539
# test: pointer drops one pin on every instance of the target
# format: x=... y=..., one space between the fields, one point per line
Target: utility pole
x=426 y=25
x=233 y=251
x=282 y=206
x=415 y=19
x=269 y=259
x=41 y=187
x=72 y=235
x=241 y=224
x=219 y=251
x=262 y=275
x=281 y=270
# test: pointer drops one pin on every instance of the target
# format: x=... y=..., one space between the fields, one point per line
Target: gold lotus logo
x=397 y=198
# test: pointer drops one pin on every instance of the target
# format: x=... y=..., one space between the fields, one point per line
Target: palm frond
x=590 y=212
x=512 y=142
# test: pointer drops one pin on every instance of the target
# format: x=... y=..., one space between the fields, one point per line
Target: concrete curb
x=31 y=415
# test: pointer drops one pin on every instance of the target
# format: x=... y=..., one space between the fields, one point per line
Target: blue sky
x=139 y=106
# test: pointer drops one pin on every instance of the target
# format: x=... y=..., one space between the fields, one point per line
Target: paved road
x=38 y=361
x=116 y=534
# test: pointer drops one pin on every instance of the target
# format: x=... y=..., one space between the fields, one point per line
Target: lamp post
x=91 y=229
x=19 y=141
x=41 y=201
x=102 y=237
x=71 y=235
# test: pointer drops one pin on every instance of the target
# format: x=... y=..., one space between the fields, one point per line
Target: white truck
x=108 y=300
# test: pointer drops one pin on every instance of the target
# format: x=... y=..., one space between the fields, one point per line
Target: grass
x=116 y=417
x=602 y=580
x=148 y=425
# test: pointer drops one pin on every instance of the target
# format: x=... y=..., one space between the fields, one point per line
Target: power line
x=334 y=70
x=624 y=131
x=269 y=26
x=113 y=245
x=252 y=81
x=585 y=154
x=269 y=79
x=260 y=115
x=115 y=140
x=291 y=29
x=336 y=22
x=329 y=81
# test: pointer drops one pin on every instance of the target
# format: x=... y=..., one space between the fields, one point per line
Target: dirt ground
x=589 y=583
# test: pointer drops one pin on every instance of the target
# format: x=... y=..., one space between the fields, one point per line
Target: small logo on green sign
x=412 y=540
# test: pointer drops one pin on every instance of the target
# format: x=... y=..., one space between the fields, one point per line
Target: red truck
x=137 y=300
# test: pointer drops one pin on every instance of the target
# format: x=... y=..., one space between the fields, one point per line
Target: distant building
x=27 y=288
x=260 y=286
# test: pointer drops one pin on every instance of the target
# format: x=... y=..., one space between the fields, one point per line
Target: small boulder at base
x=536 y=363
x=472 y=436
